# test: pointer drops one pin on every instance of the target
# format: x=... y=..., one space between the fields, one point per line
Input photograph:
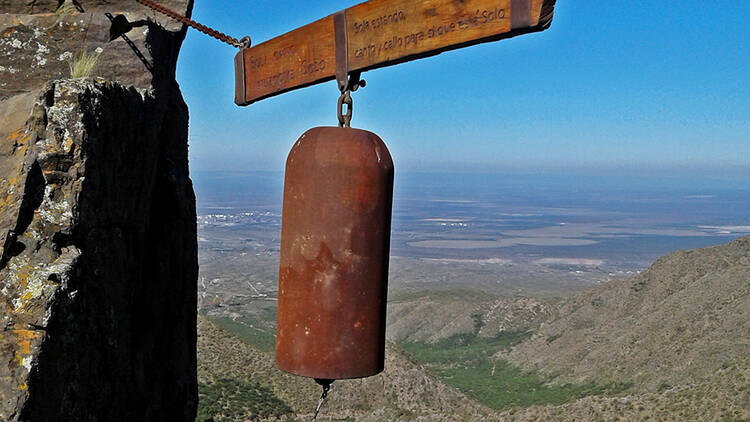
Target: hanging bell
x=335 y=237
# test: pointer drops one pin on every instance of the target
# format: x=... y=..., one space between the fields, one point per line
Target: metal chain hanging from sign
x=242 y=43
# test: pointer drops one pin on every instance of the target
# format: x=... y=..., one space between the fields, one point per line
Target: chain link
x=353 y=83
x=345 y=120
x=243 y=43
x=326 y=388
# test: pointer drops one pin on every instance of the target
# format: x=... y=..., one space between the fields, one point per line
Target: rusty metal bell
x=335 y=238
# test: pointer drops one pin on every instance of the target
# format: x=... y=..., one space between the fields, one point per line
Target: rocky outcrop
x=39 y=41
x=98 y=252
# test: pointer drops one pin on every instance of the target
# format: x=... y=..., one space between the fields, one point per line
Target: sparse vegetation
x=250 y=330
x=67 y=8
x=234 y=400
x=84 y=64
x=499 y=384
x=463 y=348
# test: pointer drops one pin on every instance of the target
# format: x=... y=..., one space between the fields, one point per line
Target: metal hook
x=245 y=42
x=354 y=82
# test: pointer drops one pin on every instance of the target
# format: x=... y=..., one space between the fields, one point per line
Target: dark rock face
x=36 y=48
x=98 y=250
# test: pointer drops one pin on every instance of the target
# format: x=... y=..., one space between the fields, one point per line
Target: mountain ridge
x=679 y=332
x=698 y=299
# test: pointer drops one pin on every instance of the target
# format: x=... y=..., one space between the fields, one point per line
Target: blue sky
x=612 y=86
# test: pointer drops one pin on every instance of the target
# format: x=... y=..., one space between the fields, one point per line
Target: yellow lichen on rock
x=21 y=275
x=18 y=140
x=68 y=145
x=19 y=135
x=24 y=338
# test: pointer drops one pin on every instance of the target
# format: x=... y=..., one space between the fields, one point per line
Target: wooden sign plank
x=380 y=33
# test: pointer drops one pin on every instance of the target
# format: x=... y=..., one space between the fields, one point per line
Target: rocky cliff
x=98 y=254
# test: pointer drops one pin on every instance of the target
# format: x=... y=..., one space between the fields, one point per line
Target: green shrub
x=468 y=363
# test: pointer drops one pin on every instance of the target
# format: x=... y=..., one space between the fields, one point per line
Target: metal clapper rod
x=326 y=384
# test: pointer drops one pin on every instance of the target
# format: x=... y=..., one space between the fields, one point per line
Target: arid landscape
x=499 y=309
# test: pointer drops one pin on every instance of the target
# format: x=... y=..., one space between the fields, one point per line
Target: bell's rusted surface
x=335 y=237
